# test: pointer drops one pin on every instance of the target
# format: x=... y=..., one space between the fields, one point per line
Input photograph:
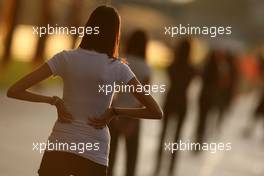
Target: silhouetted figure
x=180 y=74
x=10 y=21
x=46 y=18
x=208 y=95
x=218 y=88
x=259 y=111
x=130 y=128
x=227 y=84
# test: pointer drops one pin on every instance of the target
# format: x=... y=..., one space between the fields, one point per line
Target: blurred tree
x=10 y=18
x=46 y=18
x=75 y=17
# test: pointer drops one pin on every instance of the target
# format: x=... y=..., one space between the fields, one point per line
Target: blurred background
x=232 y=66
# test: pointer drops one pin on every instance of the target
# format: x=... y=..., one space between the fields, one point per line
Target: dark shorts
x=55 y=163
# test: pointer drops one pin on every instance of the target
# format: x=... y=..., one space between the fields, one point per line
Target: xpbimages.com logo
x=79 y=147
x=147 y=89
x=64 y=30
x=211 y=147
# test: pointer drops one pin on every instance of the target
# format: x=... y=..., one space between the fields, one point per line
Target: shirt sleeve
x=125 y=74
x=56 y=64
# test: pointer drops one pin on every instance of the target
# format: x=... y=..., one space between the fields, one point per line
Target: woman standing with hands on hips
x=84 y=112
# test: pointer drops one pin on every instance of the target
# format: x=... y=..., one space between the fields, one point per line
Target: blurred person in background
x=208 y=94
x=227 y=84
x=218 y=88
x=181 y=73
x=259 y=111
x=130 y=128
x=84 y=112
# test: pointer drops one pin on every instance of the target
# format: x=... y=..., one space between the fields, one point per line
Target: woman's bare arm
x=19 y=89
x=150 y=109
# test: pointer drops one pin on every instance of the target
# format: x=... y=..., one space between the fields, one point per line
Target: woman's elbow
x=158 y=114
x=11 y=93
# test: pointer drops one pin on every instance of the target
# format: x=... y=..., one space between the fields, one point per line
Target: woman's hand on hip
x=64 y=115
x=103 y=120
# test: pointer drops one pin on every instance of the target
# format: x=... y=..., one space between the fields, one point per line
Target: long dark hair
x=107 y=41
x=137 y=44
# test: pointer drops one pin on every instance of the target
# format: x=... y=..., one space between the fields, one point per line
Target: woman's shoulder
x=118 y=62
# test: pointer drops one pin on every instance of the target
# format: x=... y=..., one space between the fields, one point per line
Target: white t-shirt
x=82 y=72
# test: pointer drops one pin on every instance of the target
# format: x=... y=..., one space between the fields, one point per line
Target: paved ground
x=22 y=123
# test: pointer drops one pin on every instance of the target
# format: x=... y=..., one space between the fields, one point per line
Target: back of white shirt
x=83 y=72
